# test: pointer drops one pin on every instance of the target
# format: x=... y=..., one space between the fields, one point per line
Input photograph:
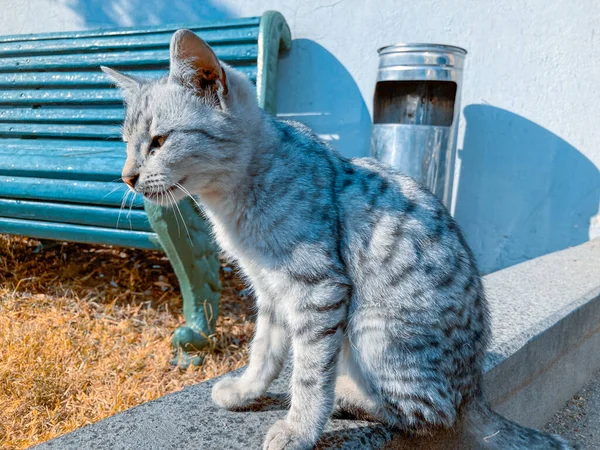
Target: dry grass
x=85 y=333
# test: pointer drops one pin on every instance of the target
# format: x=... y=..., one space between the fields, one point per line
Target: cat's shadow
x=269 y=402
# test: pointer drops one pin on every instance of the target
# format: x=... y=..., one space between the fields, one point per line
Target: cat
x=357 y=269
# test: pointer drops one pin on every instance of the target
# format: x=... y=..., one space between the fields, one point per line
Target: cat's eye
x=157 y=142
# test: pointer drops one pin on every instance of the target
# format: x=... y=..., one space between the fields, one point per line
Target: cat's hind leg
x=356 y=395
x=351 y=393
x=405 y=380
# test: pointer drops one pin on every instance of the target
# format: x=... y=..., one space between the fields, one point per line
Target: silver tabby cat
x=357 y=269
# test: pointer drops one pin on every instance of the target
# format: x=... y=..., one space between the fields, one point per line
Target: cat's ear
x=193 y=63
x=128 y=84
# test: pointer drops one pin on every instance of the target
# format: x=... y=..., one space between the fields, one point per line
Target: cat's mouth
x=167 y=193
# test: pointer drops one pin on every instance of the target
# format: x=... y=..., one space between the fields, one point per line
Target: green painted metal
x=234 y=54
x=79 y=233
x=92 y=44
x=195 y=260
x=63 y=147
x=99 y=216
x=134 y=31
x=92 y=167
x=274 y=36
x=77 y=79
x=111 y=115
x=33 y=80
x=72 y=97
x=63 y=130
x=61 y=154
x=68 y=191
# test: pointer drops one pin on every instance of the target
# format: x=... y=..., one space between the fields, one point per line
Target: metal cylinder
x=416 y=109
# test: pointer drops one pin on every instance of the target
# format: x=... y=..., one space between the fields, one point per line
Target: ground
x=579 y=420
x=86 y=334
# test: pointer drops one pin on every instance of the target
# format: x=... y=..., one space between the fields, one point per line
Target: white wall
x=529 y=142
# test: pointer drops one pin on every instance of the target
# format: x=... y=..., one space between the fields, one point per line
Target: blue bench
x=61 y=152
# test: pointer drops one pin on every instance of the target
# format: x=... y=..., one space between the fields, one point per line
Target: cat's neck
x=230 y=196
x=231 y=205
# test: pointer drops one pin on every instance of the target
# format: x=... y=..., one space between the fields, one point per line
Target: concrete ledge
x=546 y=321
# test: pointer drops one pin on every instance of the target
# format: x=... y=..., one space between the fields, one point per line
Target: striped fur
x=358 y=269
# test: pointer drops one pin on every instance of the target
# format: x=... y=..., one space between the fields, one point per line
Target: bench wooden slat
x=100 y=216
x=82 y=79
x=98 y=115
x=134 y=31
x=238 y=35
x=62 y=148
x=62 y=97
x=10 y=130
x=233 y=54
x=93 y=168
x=79 y=233
x=68 y=191
x=66 y=79
x=51 y=130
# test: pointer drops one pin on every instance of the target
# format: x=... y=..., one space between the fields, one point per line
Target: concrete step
x=546 y=322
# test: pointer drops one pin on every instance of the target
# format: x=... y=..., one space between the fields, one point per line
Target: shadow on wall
x=313 y=86
x=316 y=89
x=523 y=191
x=125 y=13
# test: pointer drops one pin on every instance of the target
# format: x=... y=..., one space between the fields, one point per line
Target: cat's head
x=184 y=132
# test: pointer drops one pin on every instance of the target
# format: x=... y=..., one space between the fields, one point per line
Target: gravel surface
x=579 y=420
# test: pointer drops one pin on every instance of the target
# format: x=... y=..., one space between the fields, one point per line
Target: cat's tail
x=486 y=429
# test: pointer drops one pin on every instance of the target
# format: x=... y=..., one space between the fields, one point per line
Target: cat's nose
x=131 y=179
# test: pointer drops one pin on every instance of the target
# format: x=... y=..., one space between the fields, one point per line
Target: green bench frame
x=61 y=152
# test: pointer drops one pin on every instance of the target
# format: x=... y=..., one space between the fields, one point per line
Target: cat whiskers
x=118 y=186
x=174 y=213
x=166 y=198
x=123 y=203
x=180 y=215
x=187 y=194
x=130 y=208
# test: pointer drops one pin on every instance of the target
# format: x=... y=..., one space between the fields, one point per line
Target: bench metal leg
x=195 y=260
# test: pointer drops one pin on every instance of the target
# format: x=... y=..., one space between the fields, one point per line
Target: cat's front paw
x=283 y=435
x=233 y=393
